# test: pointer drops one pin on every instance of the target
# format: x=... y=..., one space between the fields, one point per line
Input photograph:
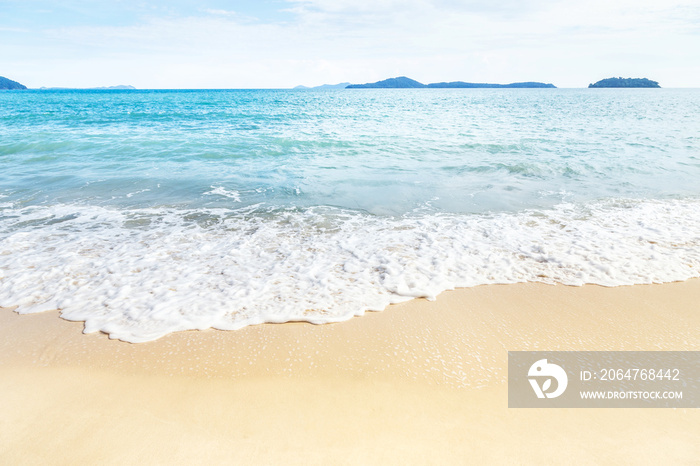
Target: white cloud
x=565 y=42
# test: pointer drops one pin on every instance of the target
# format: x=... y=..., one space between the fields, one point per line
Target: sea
x=143 y=213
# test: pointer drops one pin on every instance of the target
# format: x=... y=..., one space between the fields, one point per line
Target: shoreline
x=420 y=382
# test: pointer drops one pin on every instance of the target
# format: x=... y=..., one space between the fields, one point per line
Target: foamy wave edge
x=141 y=274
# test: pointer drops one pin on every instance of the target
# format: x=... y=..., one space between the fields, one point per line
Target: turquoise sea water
x=147 y=212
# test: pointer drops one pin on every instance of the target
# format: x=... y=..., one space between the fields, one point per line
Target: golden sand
x=419 y=383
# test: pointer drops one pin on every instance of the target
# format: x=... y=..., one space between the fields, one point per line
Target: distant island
x=408 y=83
x=10 y=84
x=392 y=83
x=325 y=86
x=624 y=82
x=121 y=87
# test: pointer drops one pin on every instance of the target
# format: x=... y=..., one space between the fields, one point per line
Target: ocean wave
x=140 y=274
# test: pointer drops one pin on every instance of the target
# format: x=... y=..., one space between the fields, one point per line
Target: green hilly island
x=624 y=82
x=407 y=83
x=10 y=84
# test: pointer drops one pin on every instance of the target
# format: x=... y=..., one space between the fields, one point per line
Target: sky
x=283 y=43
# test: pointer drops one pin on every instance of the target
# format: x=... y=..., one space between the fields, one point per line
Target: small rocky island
x=10 y=84
x=624 y=82
x=407 y=83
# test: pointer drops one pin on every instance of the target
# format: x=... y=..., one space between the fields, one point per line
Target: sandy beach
x=419 y=383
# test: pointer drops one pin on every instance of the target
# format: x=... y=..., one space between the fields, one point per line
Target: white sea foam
x=138 y=275
x=221 y=191
x=137 y=192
